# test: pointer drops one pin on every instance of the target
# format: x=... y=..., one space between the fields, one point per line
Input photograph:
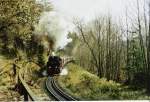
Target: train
x=54 y=65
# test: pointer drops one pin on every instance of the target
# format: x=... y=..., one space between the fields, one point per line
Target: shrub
x=139 y=80
x=90 y=87
x=97 y=86
x=108 y=86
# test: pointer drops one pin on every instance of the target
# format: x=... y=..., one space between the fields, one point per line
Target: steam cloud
x=51 y=24
x=64 y=71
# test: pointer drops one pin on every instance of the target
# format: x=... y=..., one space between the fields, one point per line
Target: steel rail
x=57 y=93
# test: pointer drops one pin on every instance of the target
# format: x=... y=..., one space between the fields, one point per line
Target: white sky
x=87 y=10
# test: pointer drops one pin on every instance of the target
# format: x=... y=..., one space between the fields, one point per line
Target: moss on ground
x=87 y=86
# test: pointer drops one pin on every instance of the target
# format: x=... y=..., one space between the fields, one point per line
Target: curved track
x=59 y=95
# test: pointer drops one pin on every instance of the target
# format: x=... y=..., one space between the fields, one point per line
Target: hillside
x=87 y=86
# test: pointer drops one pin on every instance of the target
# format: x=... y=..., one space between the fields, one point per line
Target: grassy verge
x=7 y=82
x=87 y=86
x=35 y=81
x=8 y=79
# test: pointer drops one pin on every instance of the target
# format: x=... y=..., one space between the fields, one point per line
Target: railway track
x=57 y=93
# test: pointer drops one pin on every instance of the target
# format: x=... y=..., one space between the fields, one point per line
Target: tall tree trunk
x=108 y=50
x=148 y=55
x=127 y=53
x=141 y=38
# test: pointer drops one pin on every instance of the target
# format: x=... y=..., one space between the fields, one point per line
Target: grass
x=87 y=86
x=35 y=81
x=6 y=81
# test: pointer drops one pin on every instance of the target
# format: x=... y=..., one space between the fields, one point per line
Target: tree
x=148 y=54
x=24 y=14
x=101 y=47
x=17 y=22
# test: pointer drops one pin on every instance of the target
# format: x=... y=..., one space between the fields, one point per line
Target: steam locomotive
x=54 y=65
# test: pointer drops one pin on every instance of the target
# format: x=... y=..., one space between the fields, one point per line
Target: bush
x=108 y=86
x=140 y=80
x=96 y=86
x=87 y=86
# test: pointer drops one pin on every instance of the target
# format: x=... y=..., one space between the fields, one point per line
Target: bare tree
x=148 y=54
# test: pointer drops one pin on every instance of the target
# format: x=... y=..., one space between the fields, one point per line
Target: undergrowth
x=87 y=86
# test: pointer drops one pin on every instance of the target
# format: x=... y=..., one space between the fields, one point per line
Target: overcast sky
x=87 y=8
x=66 y=10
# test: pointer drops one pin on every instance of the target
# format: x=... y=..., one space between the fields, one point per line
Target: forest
x=117 y=51
x=114 y=50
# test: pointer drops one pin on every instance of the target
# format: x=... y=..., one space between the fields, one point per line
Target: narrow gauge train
x=54 y=65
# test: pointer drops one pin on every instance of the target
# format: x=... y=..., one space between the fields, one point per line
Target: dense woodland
x=18 y=21
x=116 y=51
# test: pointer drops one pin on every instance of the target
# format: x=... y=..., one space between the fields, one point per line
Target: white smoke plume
x=64 y=71
x=50 y=24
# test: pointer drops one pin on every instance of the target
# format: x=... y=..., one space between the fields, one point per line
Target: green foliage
x=99 y=86
x=135 y=64
x=9 y=52
x=19 y=17
x=87 y=86
x=17 y=22
x=31 y=46
x=100 y=47
x=17 y=27
x=40 y=61
x=135 y=58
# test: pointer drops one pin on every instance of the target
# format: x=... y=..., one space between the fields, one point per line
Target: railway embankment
x=87 y=86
